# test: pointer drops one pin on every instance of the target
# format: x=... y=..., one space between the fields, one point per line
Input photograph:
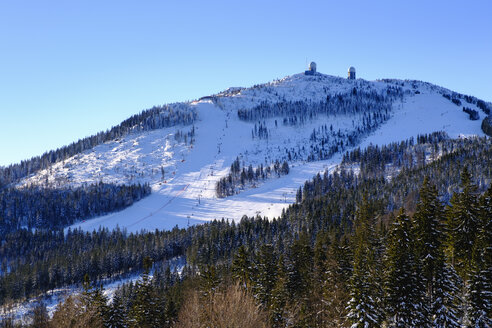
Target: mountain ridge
x=308 y=121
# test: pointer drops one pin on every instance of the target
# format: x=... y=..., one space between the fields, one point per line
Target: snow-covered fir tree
x=403 y=297
x=365 y=301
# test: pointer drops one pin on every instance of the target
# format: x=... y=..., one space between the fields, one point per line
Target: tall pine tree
x=446 y=306
x=117 y=317
x=479 y=284
x=241 y=267
x=403 y=297
x=146 y=309
x=462 y=224
x=427 y=226
x=439 y=281
x=364 y=304
x=265 y=274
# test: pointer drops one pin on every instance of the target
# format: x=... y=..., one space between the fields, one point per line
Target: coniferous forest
x=355 y=250
x=43 y=208
x=176 y=164
x=240 y=177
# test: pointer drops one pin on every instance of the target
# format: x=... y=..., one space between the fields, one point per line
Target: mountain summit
x=246 y=151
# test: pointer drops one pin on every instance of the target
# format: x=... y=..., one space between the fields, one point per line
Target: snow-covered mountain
x=305 y=121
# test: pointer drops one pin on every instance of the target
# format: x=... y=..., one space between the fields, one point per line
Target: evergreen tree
x=95 y=299
x=321 y=246
x=170 y=312
x=265 y=274
x=462 y=225
x=478 y=298
x=241 y=267
x=446 y=306
x=278 y=311
x=299 y=267
x=427 y=222
x=320 y=276
x=146 y=308
x=364 y=304
x=403 y=301
x=333 y=289
x=116 y=314
x=441 y=285
x=299 y=272
x=439 y=281
x=209 y=282
x=479 y=284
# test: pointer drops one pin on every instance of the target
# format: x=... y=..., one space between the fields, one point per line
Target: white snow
x=188 y=194
x=136 y=158
x=425 y=113
x=291 y=88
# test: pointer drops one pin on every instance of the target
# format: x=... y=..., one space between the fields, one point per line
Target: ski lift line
x=160 y=208
x=175 y=196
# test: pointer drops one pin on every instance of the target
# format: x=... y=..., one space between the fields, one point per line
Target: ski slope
x=189 y=198
x=421 y=114
x=186 y=195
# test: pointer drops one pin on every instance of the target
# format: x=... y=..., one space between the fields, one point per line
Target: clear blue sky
x=69 y=69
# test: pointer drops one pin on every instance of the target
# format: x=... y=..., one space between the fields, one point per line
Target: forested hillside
x=400 y=235
x=154 y=118
x=49 y=208
x=293 y=128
